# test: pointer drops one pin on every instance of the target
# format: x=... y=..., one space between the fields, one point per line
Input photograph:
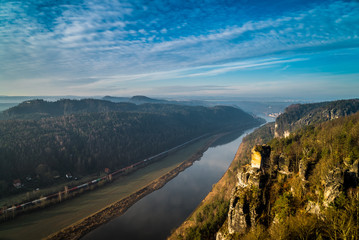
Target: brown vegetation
x=312 y=187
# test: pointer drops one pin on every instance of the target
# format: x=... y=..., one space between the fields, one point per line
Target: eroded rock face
x=249 y=176
x=244 y=209
x=260 y=156
x=303 y=168
x=355 y=168
x=298 y=115
x=333 y=186
x=220 y=236
x=246 y=205
x=286 y=134
x=313 y=208
x=351 y=175
x=238 y=213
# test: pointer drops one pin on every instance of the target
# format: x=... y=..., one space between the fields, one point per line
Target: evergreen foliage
x=42 y=140
x=318 y=157
x=298 y=115
x=208 y=221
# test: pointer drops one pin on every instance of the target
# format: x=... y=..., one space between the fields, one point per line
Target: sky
x=245 y=48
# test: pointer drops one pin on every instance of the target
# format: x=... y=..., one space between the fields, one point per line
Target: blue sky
x=289 y=48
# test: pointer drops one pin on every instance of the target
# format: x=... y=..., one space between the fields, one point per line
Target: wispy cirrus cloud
x=184 y=73
x=138 y=41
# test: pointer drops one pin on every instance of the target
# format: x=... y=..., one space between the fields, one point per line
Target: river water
x=154 y=216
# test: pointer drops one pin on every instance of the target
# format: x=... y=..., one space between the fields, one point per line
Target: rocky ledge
x=250 y=202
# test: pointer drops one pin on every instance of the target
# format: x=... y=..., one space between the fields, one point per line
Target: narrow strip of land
x=79 y=229
x=55 y=197
x=128 y=190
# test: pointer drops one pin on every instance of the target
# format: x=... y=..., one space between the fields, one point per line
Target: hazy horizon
x=184 y=98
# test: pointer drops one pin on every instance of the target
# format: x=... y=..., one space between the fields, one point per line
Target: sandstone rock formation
x=246 y=203
x=299 y=115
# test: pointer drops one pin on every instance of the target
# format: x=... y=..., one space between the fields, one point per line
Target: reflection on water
x=227 y=138
x=154 y=216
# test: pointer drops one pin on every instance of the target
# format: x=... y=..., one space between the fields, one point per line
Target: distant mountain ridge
x=260 y=107
x=116 y=99
x=43 y=139
x=139 y=99
x=38 y=108
x=144 y=99
x=299 y=115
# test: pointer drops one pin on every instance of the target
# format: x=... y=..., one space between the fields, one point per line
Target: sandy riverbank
x=221 y=191
x=84 y=226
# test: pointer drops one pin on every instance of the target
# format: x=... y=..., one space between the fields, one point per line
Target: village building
x=17 y=183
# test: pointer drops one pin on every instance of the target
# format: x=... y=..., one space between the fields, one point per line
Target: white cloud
x=220 y=69
x=102 y=41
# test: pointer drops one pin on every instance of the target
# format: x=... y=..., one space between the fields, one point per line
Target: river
x=154 y=216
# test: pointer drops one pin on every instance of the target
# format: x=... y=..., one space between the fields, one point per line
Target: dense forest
x=299 y=115
x=44 y=140
x=312 y=191
x=308 y=189
x=38 y=108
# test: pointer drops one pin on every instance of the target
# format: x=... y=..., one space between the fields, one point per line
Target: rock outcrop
x=301 y=183
x=299 y=115
x=333 y=186
x=247 y=204
x=260 y=157
x=249 y=200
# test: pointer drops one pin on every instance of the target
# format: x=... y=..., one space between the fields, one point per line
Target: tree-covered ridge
x=332 y=143
x=315 y=168
x=298 y=115
x=35 y=109
x=208 y=218
x=310 y=190
x=81 y=140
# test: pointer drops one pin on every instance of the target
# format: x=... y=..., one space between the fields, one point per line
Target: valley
x=65 y=122
x=48 y=221
x=179 y=120
x=292 y=179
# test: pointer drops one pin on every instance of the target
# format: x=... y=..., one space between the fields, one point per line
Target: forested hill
x=298 y=115
x=35 y=109
x=43 y=140
x=144 y=99
x=139 y=99
x=309 y=189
